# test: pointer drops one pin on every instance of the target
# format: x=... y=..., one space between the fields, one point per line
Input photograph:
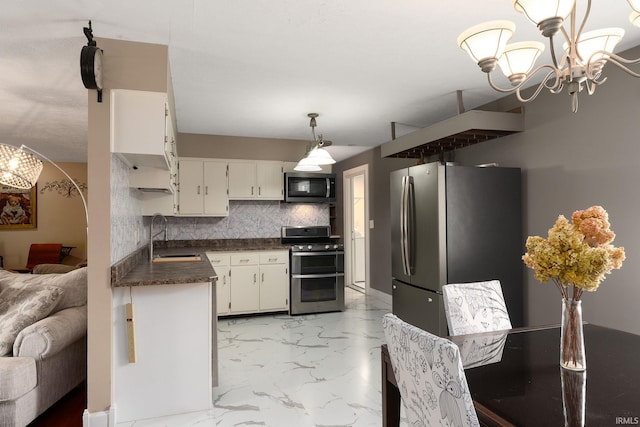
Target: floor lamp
x=21 y=168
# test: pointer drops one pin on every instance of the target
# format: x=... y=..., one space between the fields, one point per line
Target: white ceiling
x=257 y=67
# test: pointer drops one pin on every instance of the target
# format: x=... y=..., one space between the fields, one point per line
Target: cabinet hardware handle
x=273 y=259
x=259 y=191
x=254 y=278
x=206 y=190
x=244 y=260
x=262 y=277
x=198 y=192
x=224 y=280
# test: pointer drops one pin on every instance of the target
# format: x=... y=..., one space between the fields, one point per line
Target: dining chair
x=475 y=307
x=430 y=376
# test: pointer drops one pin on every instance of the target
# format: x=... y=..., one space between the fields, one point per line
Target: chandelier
x=578 y=67
x=316 y=154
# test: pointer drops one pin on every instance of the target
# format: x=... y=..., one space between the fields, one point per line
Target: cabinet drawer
x=218 y=258
x=245 y=258
x=280 y=257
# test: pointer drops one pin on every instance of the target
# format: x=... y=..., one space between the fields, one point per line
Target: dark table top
x=523 y=384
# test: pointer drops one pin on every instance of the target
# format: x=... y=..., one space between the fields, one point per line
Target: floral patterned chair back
x=430 y=376
x=475 y=307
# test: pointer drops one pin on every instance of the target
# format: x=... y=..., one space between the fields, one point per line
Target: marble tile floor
x=320 y=370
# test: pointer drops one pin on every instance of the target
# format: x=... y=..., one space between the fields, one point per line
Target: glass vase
x=574 y=394
x=572 y=337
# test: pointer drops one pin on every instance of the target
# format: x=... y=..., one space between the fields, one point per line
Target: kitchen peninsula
x=175 y=323
x=175 y=337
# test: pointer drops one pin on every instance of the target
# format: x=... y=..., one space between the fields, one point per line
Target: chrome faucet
x=152 y=236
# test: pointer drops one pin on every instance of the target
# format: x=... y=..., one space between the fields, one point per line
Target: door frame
x=347 y=176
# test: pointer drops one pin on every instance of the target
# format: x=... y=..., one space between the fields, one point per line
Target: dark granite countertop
x=137 y=270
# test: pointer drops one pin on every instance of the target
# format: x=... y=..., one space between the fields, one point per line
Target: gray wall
x=240 y=147
x=379 y=244
x=573 y=161
x=569 y=162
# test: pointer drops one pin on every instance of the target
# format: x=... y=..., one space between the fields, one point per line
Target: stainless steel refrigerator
x=454 y=224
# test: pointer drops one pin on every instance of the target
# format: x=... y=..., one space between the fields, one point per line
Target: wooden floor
x=67 y=412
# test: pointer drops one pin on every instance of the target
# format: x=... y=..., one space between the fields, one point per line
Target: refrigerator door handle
x=402 y=225
x=404 y=221
x=409 y=217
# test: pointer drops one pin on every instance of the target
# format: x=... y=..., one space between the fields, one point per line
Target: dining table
x=515 y=379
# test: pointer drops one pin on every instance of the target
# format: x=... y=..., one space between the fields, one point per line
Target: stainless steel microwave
x=305 y=187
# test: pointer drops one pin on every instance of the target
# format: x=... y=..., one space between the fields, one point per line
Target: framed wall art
x=17 y=208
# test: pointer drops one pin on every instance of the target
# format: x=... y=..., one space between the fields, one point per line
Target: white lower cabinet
x=220 y=263
x=274 y=281
x=251 y=281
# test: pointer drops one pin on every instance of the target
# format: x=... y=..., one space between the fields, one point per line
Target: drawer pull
x=273 y=259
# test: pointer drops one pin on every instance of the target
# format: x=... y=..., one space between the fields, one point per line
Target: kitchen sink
x=177 y=258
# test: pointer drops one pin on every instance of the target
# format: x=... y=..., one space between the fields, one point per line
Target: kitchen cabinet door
x=138 y=127
x=242 y=180
x=274 y=287
x=269 y=180
x=245 y=293
x=216 y=200
x=274 y=281
x=220 y=263
x=191 y=177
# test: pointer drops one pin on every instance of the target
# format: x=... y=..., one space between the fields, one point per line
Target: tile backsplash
x=126 y=212
x=247 y=219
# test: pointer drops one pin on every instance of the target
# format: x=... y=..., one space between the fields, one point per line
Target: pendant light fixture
x=317 y=155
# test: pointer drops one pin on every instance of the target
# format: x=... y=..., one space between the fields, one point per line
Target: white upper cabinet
x=250 y=180
x=242 y=180
x=203 y=187
x=139 y=128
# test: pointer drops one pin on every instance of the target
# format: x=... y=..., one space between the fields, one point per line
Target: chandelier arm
x=84 y=201
x=543 y=84
x=591 y=86
x=552 y=50
x=619 y=62
x=555 y=87
x=584 y=20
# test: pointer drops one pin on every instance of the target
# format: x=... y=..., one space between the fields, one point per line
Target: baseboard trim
x=99 y=419
x=384 y=297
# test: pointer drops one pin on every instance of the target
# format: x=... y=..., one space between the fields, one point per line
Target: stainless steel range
x=317 y=270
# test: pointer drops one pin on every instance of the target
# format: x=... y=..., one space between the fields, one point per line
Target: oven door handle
x=316 y=253
x=316 y=276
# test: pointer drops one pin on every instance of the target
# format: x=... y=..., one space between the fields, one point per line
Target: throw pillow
x=72 y=285
x=21 y=307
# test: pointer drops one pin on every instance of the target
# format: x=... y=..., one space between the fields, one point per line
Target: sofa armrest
x=51 y=334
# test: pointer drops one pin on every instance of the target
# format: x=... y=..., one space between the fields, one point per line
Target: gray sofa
x=48 y=356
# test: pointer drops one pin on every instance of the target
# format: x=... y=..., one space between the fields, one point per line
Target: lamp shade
x=635 y=18
x=18 y=168
x=539 y=11
x=320 y=156
x=307 y=165
x=593 y=41
x=486 y=42
x=518 y=59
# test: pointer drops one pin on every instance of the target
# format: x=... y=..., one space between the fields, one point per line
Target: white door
x=356 y=227
x=358 y=256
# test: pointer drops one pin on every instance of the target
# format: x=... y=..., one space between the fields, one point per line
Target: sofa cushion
x=17 y=377
x=72 y=284
x=23 y=306
x=53 y=268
